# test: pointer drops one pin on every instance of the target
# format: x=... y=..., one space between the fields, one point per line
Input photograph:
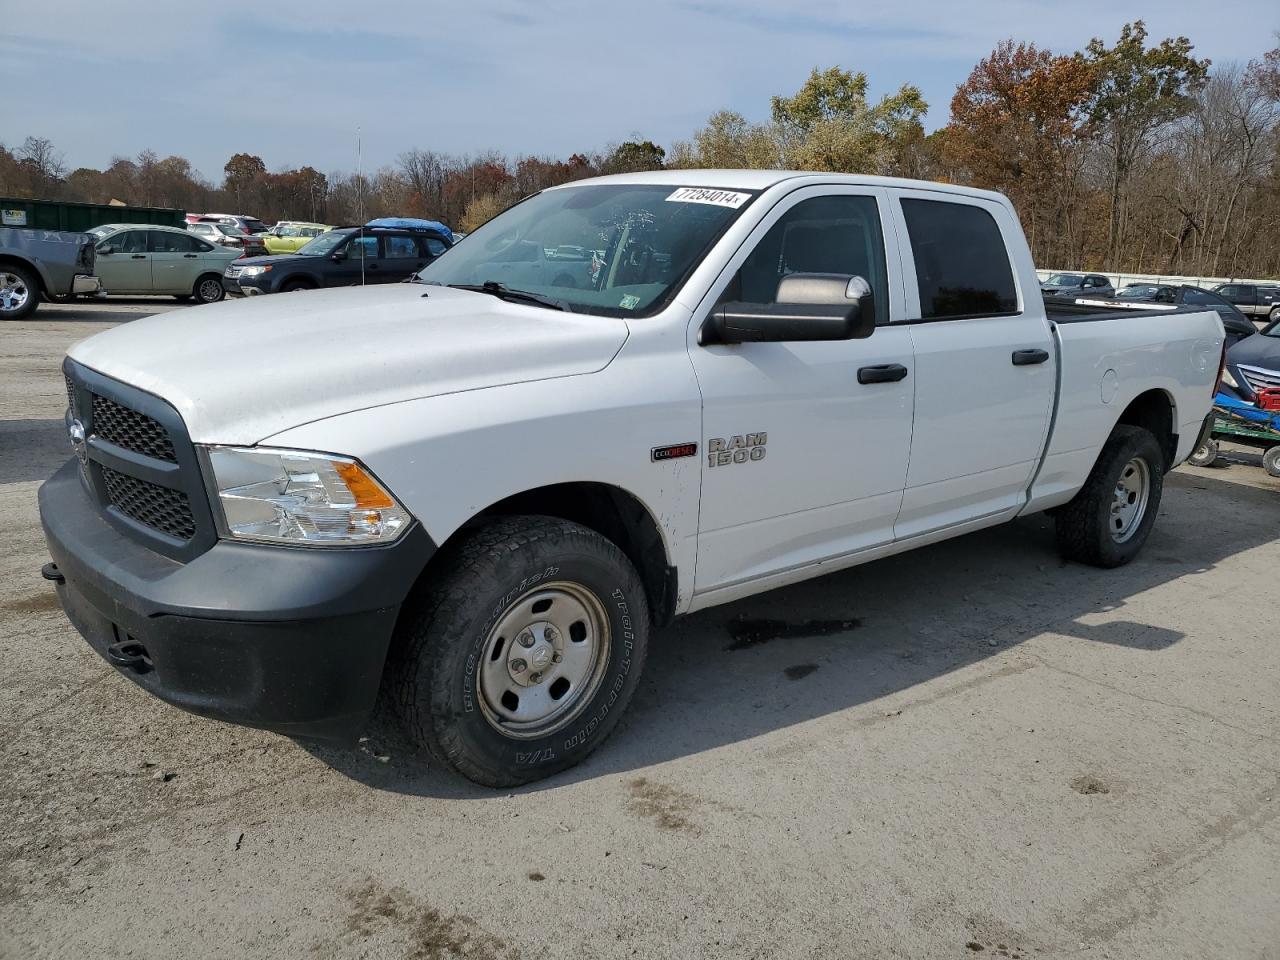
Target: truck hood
x=239 y=372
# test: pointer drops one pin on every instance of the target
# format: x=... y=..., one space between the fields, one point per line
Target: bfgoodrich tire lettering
x=1092 y=528
x=446 y=641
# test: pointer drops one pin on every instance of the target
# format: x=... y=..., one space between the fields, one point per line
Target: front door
x=123 y=263
x=985 y=370
x=362 y=264
x=801 y=462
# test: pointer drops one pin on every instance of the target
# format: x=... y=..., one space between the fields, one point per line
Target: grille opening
x=160 y=508
x=132 y=430
x=71 y=395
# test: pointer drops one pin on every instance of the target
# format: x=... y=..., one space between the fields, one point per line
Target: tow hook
x=50 y=571
x=130 y=655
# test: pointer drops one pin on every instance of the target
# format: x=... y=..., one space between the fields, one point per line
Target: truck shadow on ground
x=872 y=634
x=32 y=449
x=112 y=310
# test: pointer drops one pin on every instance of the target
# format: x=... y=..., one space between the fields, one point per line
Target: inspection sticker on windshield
x=629 y=301
x=719 y=198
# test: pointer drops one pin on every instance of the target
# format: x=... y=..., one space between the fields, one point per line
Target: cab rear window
x=962 y=266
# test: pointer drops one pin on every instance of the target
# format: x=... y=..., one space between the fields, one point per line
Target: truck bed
x=1064 y=310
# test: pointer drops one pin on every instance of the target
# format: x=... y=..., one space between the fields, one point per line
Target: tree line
x=1129 y=156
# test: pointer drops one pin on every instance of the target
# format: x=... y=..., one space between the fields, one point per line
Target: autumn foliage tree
x=1018 y=125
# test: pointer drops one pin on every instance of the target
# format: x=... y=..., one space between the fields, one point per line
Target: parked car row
x=381 y=251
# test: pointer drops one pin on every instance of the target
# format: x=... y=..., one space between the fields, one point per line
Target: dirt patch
x=799 y=671
x=750 y=633
x=426 y=933
x=666 y=806
x=36 y=603
x=1089 y=785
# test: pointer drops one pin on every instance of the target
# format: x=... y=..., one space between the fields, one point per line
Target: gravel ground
x=970 y=750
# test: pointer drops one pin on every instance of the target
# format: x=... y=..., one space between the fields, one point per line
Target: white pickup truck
x=480 y=491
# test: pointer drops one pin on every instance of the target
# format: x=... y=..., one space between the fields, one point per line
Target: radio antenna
x=360 y=200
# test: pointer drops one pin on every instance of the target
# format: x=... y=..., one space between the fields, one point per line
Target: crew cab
x=341 y=257
x=483 y=498
x=1256 y=300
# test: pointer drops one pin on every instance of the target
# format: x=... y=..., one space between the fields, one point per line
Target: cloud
x=293 y=82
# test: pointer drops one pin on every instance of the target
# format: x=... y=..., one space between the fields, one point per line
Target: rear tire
x=1271 y=461
x=1204 y=455
x=19 y=292
x=209 y=289
x=518 y=659
x=1108 y=521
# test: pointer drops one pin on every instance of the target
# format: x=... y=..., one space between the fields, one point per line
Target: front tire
x=1108 y=521
x=518 y=660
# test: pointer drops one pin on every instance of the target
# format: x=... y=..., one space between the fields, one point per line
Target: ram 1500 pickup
x=481 y=491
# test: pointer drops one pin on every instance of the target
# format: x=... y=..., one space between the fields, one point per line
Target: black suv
x=342 y=257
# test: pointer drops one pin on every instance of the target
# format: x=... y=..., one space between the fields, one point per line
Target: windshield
x=618 y=250
x=100 y=232
x=1065 y=280
x=323 y=245
x=1138 y=291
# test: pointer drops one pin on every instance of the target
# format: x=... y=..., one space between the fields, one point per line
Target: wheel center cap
x=540 y=656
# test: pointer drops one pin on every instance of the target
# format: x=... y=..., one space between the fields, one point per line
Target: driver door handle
x=1026 y=358
x=882 y=373
x=138 y=256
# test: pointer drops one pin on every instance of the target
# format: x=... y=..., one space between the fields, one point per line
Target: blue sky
x=291 y=81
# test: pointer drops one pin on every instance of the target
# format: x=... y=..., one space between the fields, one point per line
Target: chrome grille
x=160 y=508
x=71 y=395
x=1259 y=377
x=132 y=430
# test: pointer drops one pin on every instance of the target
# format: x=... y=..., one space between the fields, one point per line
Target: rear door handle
x=138 y=256
x=1027 y=358
x=882 y=373
x=188 y=256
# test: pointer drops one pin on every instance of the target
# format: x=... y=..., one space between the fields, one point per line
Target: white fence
x=1121 y=279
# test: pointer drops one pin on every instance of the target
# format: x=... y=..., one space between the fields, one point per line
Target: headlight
x=1228 y=379
x=299 y=497
x=254 y=271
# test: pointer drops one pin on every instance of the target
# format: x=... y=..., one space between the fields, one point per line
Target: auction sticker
x=719 y=198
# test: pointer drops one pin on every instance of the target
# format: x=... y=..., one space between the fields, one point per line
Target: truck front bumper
x=290 y=639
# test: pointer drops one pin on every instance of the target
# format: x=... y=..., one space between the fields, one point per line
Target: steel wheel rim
x=14 y=293
x=210 y=290
x=1129 y=500
x=543 y=659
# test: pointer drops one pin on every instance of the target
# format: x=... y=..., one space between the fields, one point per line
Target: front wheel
x=209 y=289
x=1204 y=455
x=517 y=661
x=1108 y=521
x=1271 y=461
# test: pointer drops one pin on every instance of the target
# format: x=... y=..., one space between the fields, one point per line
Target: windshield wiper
x=503 y=292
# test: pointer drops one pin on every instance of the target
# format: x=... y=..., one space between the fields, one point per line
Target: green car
x=135 y=258
x=288 y=236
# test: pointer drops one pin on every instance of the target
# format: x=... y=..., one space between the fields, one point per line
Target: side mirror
x=338 y=255
x=106 y=249
x=810 y=306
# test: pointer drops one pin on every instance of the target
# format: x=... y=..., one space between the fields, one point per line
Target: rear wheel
x=19 y=292
x=1205 y=454
x=209 y=289
x=517 y=661
x=1271 y=461
x=1108 y=521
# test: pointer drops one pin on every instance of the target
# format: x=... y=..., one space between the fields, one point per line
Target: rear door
x=176 y=261
x=985 y=370
x=802 y=462
x=123 y=262
x=403 y=257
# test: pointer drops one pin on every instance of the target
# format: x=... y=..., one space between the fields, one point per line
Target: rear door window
x=402 y=248
x=962 y=265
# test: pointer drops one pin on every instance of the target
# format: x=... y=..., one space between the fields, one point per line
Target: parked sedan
x=1145 y=296
x=1254 y=364
x=247 y=244
x=289 y=236
x=342 y=257
x=1077 y=285
x=133 y=258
